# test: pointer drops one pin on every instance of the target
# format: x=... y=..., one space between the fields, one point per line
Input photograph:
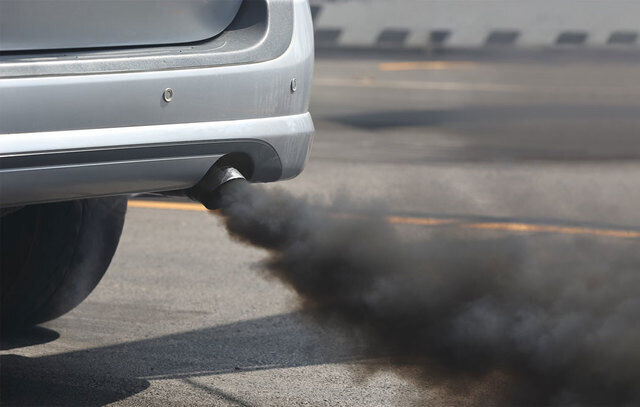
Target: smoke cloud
x=482 y=318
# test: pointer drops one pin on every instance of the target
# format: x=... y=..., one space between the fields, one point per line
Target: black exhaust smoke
x=478 y=318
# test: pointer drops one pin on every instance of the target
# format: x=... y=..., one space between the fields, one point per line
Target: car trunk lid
x=30 y=25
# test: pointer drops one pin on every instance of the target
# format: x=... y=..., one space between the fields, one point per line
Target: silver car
x=102 y=98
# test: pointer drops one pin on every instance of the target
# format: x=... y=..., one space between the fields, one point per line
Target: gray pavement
x=185 y=316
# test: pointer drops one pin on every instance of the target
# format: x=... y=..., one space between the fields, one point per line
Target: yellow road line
x=418 y=85
x=179 y=206
x=419 y=221
x=399 y=219
x=563 y=230
x=405 y=220
x=368 y=82
x=425 y=65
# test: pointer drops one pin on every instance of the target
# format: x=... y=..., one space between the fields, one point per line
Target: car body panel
x=261 y=31
x=48 y=24
x=106 y=134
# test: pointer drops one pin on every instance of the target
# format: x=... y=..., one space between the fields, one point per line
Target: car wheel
x=53 y=255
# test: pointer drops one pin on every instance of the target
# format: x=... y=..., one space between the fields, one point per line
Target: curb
x=441 y=24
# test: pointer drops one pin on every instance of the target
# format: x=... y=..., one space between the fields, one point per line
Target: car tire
x=53 y=255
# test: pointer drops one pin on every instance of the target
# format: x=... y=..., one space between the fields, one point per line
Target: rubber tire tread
x=53 y=255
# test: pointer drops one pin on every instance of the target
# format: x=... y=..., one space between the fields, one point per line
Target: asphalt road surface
x=541 y=149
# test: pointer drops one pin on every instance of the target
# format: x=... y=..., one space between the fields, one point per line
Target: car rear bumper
x=74 y=136
x=175 y=157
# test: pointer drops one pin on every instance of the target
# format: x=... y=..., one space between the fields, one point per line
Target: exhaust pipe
x=210 y=190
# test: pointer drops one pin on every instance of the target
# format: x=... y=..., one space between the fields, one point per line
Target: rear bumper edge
x=100 y=162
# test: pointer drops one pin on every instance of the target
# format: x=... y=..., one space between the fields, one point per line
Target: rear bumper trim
x=164 y=157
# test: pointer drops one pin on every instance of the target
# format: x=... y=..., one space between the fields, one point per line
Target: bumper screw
x=294 y=85
x=167 y=95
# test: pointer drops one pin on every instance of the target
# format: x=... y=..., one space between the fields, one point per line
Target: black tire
x=53 y=255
